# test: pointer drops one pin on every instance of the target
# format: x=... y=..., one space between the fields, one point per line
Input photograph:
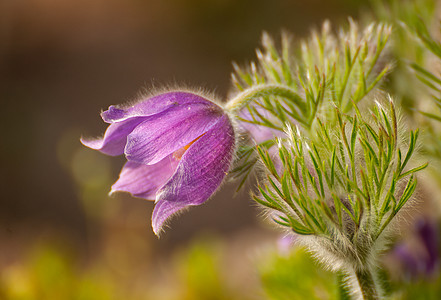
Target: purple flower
x=179 y=147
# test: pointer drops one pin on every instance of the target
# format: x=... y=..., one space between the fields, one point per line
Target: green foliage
x=429 y=289
x=296 y=84
x=247 y=159
x=49 y=273
x=417 y=52
x=324 y=69
x=199 y=269
x=404 y=15
x=295 y=276
x=342 y=167
x=357 y=169
x=432 y=79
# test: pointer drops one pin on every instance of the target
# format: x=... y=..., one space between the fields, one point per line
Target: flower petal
x=199 y=173
x=142 y=180
x=115 y=137
x=164 y=210
x=152 y=106
x=165 y=133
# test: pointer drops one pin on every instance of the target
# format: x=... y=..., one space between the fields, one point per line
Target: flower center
x=180 y=152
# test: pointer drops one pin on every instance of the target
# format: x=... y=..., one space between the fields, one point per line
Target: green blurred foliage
x=415 y=79
x=200 y=274
x=427 y=289
x=296 y=276
x=402 y=83
x=199 y=271
x=49 y=273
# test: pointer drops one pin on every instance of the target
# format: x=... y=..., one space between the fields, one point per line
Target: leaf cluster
x=354 y=175
x=324 y=69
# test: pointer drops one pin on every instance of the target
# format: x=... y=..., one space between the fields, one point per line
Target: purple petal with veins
x=199 y=173
x=150 y=140
x=143 y=181
x=152 y=106
x=115 y=137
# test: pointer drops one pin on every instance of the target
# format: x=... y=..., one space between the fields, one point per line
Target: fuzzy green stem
x=369 y=290
x=343 y=292
x=243 y=98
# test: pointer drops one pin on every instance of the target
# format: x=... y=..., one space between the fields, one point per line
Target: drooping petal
x=152 y=106
x=199 y=173
x=166 y=132
x=115 y=137
x=142 y=180
x=164 y=210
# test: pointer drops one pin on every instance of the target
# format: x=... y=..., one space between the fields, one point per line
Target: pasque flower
x=179 y=147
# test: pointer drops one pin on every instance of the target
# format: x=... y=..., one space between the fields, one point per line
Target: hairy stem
x=343 y=292
x=243 y=98
x=366 y=281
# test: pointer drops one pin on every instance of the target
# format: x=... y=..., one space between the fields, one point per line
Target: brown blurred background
x=62 y=61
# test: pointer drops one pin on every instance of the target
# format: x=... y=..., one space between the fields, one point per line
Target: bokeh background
x=61 y=63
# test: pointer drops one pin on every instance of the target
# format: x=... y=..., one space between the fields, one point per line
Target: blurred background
x=61 y=63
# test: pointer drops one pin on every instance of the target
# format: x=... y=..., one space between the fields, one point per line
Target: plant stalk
x=243 y=98
x=368 y=287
